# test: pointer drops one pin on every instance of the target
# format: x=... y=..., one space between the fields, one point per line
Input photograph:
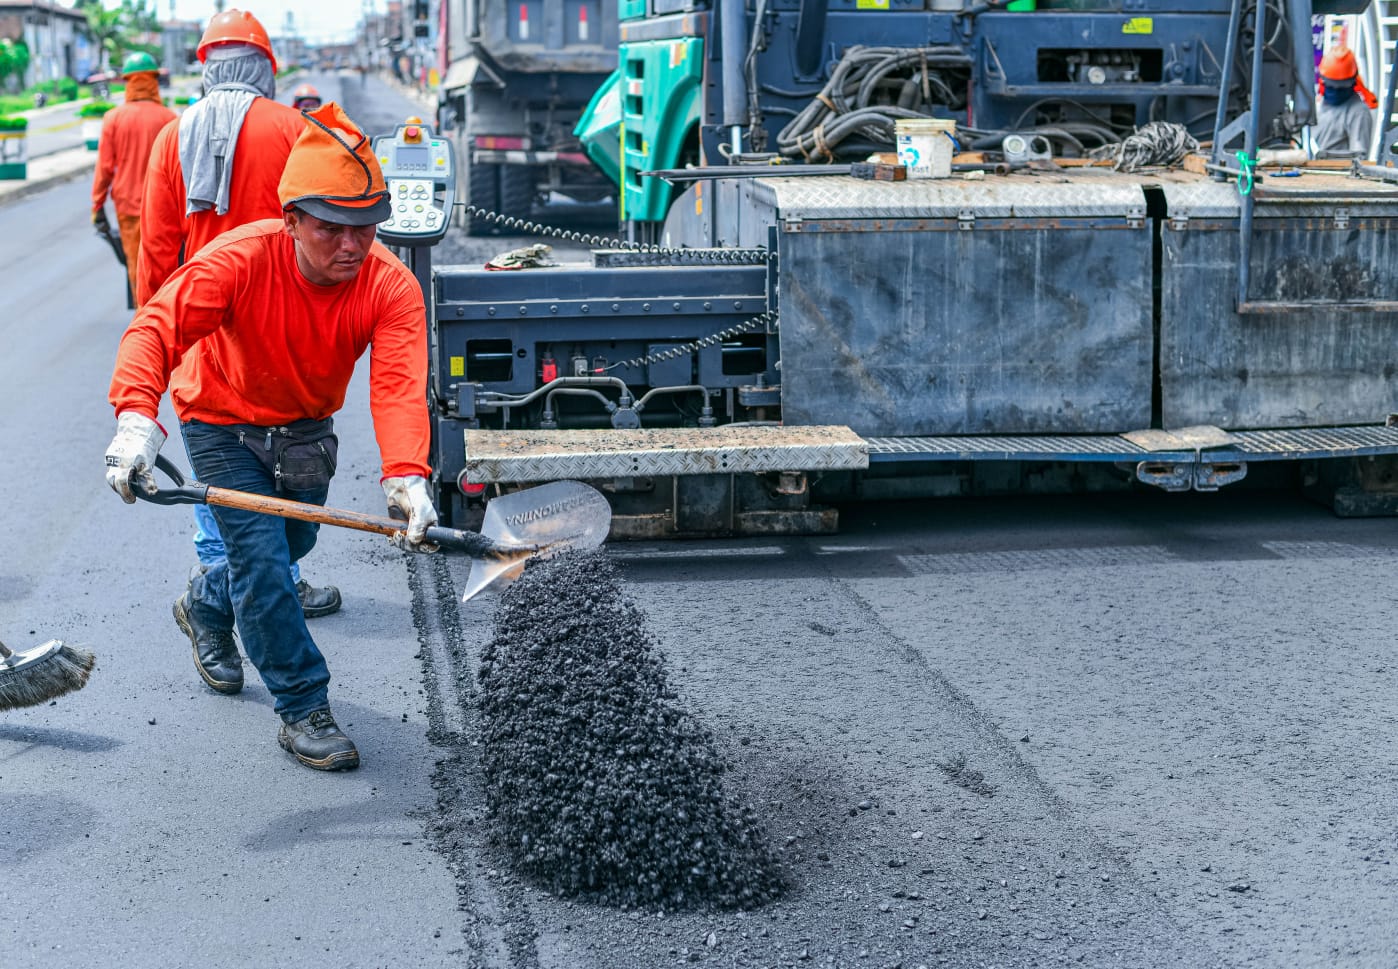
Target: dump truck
x=1130 y=279
x=520 y=73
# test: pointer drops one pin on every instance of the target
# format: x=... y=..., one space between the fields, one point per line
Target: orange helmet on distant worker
x=1339 y=64
x=305 y=98
x=235 y=26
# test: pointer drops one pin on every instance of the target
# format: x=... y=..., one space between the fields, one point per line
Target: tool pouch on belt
x=301 y=456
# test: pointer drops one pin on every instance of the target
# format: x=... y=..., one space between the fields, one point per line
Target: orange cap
x=305 y=91
x=1338 y=64
x=235 y=26
x=332 y=172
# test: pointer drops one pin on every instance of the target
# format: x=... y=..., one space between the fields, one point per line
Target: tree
x=14 y=61
x=120 y=30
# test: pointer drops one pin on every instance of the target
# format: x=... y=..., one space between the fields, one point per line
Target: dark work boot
x=317 y=602
x=318 y=743
x=215 y=651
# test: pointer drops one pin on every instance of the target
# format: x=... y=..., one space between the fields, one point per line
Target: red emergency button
x=412 y=133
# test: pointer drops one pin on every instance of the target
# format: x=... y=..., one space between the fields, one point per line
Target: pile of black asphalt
x=600 y=783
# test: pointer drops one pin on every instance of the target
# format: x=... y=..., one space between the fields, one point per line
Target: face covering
x=1336 y=96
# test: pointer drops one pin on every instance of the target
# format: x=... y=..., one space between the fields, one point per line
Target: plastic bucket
x=924 y=146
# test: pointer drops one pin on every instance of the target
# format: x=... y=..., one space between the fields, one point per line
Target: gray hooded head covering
x=234 y=75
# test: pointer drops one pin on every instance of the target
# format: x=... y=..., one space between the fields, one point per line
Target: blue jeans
x=208 y=541
x=252 y=586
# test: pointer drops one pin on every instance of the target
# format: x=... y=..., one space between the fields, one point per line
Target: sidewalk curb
x=32 y=186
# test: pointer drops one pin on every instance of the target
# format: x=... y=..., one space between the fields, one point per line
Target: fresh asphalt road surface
x=1134 y=731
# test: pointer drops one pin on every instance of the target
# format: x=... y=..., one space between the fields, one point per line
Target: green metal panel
x=599 y=128
x=631 y=9
x=659 y=107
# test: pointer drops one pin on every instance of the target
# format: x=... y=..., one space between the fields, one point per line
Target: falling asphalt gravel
x=600 y=783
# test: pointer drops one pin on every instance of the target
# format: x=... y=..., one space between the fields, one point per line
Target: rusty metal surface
x=1180 y=439
x=532 y=455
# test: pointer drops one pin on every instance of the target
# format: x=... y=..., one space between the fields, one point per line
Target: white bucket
x=924 y=146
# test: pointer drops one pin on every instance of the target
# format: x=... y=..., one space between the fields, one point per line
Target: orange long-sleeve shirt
x=168 y=236
x=123 y=153
x=262 y=345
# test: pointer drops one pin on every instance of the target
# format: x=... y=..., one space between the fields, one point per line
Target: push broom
x=34 y=676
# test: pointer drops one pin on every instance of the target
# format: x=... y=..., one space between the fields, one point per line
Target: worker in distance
x=123 y=154
x=1345 y=123
x=256 y=338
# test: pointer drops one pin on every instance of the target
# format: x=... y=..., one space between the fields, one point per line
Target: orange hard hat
x=1338 y=64
x=305 y=91
x=235 y=26
x=332 y=172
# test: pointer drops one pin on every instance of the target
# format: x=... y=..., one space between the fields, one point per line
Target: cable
x=868 y=90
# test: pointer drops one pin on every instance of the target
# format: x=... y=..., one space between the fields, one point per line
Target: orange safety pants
x=130 y=228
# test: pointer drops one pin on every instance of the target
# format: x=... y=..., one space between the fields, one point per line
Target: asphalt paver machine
x=771 y=334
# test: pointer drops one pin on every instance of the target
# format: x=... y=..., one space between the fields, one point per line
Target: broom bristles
x=27 y=679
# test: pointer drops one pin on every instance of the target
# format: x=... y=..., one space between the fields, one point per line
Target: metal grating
x=1276 y=445
x=1317 y=442
x=1094 y=447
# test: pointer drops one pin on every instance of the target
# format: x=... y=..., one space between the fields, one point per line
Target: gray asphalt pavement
x=1136 y=731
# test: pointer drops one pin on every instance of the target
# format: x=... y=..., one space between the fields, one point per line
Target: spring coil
x=745 y=257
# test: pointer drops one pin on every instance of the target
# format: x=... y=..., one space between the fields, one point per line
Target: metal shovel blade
x=552 y=517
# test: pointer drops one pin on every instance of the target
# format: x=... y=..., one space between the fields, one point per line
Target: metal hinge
x=1341 y=218
x=1135 y=217
x=966 y=219
x=1196 y=475
x=1179 y=222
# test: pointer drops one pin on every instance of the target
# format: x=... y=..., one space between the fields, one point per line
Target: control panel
x=419 y=170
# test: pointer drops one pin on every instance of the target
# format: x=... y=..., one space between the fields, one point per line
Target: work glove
x=409 y=498
x=99 y=219
x=133 y=451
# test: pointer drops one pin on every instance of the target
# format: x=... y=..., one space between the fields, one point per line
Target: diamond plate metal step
x=533 y=455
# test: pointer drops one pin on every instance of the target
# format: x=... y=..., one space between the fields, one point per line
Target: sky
x=318 y=21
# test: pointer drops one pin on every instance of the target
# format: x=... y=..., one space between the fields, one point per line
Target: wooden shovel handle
x=304 y=511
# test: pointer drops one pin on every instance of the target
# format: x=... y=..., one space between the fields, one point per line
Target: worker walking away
x=214 y=170
x=1345 y=126
x=305 y=98
x=269 y=320
x=123 y=154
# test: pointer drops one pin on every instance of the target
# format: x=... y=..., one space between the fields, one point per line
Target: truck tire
x=483 y=192
x=517 y=190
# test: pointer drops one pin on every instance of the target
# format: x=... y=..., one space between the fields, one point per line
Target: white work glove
x=409 y=495
x=133 y=450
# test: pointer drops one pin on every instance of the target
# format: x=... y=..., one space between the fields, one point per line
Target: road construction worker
x=256 y=338
x=1344 y=124
x=305 y=98
x=123 y=154
x=214 y=170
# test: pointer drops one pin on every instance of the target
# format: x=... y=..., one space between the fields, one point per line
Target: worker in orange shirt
x=123 y=154
x=214 y=170
x=269 y=320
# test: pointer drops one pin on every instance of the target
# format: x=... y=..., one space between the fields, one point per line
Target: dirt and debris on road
x=840 y=739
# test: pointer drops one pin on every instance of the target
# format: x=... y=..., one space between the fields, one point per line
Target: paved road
x=1182 y=711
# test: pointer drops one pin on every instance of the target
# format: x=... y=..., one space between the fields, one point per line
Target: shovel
x=536 y=522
